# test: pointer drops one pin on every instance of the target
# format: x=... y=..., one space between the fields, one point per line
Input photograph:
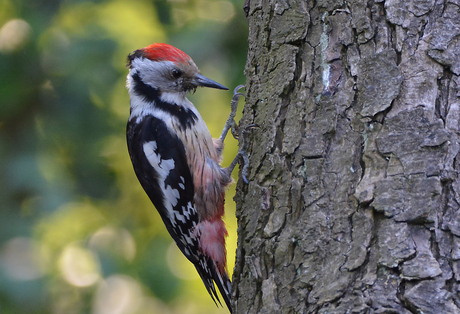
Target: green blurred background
x=77 y=232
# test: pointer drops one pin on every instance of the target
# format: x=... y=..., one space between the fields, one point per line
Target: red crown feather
x=165 y=52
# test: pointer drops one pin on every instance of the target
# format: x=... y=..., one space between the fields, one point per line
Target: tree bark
x=353 y=199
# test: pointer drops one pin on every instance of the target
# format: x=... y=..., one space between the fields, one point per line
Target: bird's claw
x=231 y=124
x=242 y=153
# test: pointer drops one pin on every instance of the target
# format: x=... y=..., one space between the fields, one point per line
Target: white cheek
x=154 y=73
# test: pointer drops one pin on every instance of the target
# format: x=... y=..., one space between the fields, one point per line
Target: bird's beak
x=203 y=81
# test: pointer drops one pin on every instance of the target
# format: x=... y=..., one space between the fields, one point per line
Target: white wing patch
x=163 y=167
x=181 y=185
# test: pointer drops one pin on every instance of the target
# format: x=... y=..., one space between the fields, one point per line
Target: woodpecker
x=177 y=161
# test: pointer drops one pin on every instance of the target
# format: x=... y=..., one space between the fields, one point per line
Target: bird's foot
x=242 y=155
x=231 y=124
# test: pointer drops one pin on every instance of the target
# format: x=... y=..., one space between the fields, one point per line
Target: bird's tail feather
x=209 y=274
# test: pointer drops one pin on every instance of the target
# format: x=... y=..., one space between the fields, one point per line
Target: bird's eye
x=176 y=73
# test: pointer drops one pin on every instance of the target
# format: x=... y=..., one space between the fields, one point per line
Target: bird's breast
x=208 y=177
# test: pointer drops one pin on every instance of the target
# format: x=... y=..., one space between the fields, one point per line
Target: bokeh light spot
x=118 y=240
x=118 y=294
x=14 y=34
x=79 y=266
x=23 y=259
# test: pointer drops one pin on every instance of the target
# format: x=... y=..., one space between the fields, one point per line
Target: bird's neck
x=147 y=100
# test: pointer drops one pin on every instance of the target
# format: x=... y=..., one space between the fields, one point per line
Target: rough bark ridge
x=353 y=200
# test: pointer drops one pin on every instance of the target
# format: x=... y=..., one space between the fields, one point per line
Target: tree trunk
x=353 y=199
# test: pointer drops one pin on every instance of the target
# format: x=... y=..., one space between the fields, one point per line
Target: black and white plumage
x=176 y=160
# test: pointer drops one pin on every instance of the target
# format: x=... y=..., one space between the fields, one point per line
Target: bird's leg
x=231 y=118
x=231 y=124
x=242 y=155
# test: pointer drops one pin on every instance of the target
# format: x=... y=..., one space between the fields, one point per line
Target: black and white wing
x=160 y=163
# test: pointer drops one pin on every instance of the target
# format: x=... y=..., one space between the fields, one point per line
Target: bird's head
x=168 y=69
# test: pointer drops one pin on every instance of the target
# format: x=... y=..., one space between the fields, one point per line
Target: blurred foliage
x=77 y=232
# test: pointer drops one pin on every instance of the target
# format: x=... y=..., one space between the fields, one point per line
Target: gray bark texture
x=354 y=192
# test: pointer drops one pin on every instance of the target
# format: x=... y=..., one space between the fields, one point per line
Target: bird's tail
x=210 y=274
